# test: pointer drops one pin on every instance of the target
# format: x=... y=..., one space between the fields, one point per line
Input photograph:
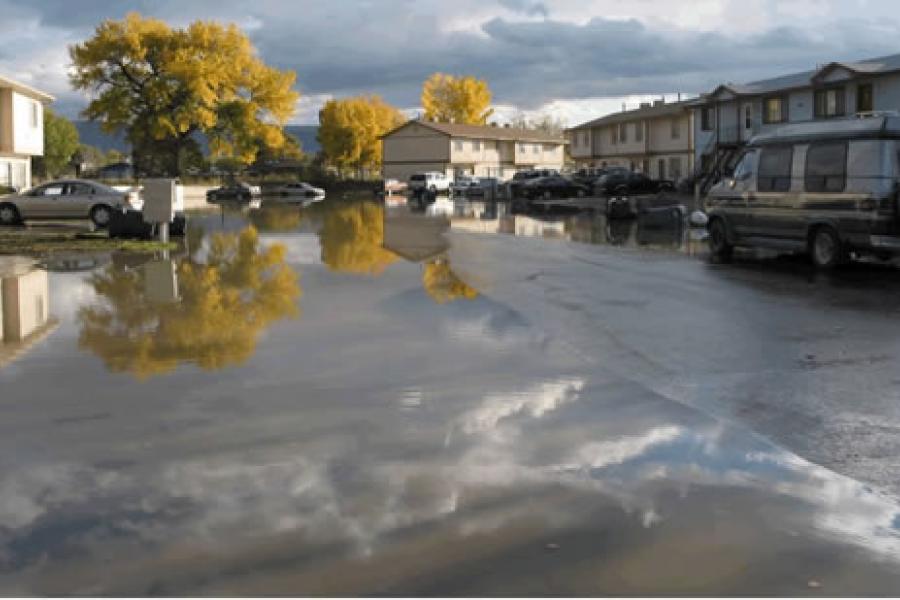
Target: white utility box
x=162 y=199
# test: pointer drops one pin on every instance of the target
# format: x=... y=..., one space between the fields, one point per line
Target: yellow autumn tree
x=443 y=285
x=451 y=99
x=350 y=131
x=224 y=303
x=162 y=86
x=352 y=239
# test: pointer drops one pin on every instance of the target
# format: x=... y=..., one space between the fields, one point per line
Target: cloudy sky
x=575 y=59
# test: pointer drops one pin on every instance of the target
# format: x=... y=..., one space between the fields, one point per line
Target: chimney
x=658 y=102
x=679 y=96
x=645 y=105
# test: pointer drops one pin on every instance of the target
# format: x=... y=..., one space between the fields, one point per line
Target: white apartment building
x=21 y=131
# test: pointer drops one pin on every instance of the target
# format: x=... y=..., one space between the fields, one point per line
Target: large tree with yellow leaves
x=451 y=99
x=162 y=85
x=350 y=131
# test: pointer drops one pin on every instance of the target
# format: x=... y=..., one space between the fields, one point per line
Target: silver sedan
x=67 y=199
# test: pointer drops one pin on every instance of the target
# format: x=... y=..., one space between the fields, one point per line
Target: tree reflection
x=443 y=285
x=352 y=237
x=223 y=306
x=277 y=218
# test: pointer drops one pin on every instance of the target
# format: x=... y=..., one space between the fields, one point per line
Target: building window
x=707 y=118
x=674 y=168
x=865 y=98
x=612 y=135
x=458 y=144
x=476 y=145
x=522 y=148
x=676 y=128
x=35 y=115
x=639 y=132
x=774 y=173
x=829 y=103
x=748 y=116
x=826 y=167
x=623 y=132
x=536 y=149
x=775 y=110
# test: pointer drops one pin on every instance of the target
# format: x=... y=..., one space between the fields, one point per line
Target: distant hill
x=91 y=134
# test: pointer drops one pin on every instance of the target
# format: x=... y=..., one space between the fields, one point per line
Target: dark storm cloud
x=343 y=48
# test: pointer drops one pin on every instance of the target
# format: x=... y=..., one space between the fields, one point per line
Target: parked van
x=433 y=181
x=827 y=188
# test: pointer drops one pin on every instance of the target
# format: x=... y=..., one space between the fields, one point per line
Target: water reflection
x=24 y=307
x=170 y=312
x=352 y=238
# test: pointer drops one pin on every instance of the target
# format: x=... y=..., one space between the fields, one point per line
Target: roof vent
x=645 y=105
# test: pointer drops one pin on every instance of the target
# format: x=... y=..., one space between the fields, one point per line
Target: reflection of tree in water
x=225 y=303
x=443 y=285
x=277 y=218
x=351 y=237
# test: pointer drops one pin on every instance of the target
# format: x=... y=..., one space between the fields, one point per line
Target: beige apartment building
x=656 y=139
x=457 y=149
x=21 y=131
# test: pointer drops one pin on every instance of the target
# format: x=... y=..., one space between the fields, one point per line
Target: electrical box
x=162 y=199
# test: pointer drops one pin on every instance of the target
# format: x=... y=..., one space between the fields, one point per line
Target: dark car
x=625 y=183
x=515 y=186
x=234 y=191
x=554 y=186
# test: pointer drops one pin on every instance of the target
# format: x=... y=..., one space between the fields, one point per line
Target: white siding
x=28 y=125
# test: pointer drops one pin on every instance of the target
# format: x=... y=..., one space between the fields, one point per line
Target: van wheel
x=101 y=215
x=826 y=249
x=719 y=245
x=9 y=214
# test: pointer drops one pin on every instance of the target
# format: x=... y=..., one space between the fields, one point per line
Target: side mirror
x=732 y=182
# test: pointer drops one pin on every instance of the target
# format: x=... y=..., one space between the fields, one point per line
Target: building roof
x=27 y=90
x=484 y=132
x=881 y=126
x=872 y=66
x=646 y=112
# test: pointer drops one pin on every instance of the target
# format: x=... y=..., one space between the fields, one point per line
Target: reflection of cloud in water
x=533 y=402
x=597 y=455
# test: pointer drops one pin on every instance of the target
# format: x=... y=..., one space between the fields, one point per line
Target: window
x=775 y=169
x=674 y=168
x=748 y=116
x=584 y=138
x=79 y=189
x=707 y=118
x=623 y=132
x=35 y=115
x=476 y=145
x=829 y=103
x=612 y=135
x=522 y=148
x=744 y=168
x=661 y=168
x=775 y=110
x=639 y=132
x=536 y=149
x=50 y=190
x=458 y=144
x=676 y=128
x=826 y=167
x=865 y=99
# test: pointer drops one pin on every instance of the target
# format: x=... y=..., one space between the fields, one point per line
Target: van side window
x=774 y=173
x=826 y=167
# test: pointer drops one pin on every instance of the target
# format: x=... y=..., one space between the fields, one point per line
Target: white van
x=829 y=188
x=433 y=181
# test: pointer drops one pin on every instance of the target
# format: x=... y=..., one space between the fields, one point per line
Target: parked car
x=554 y=186
x=394 y=186
x=618 y=182
x=485 y=185
x=432 y=181
x=515 y=185
x=301 y=189
x=70 y=198
x=827 y=188
x=234 y=191
x=462 y=184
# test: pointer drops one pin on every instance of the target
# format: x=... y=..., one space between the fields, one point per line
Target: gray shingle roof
x=647 y=112
x=485 y=132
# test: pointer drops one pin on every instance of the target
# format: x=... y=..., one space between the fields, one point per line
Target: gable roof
x=646 y=112
x=25 y=90
x=484 y=132
x=873 y=66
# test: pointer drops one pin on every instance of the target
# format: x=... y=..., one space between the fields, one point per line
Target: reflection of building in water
x=523 y=225
x=478 y=216
x=24 y=306
x=414 y=237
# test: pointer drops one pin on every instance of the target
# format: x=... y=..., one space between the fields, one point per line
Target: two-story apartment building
x=458 y=149
x=21 y=131
x=728 y=116
x=656 y=139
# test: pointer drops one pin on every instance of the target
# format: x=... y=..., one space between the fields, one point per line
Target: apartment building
x=656 y=139
x=21 y=131
x=728 y=116
x=457 y=149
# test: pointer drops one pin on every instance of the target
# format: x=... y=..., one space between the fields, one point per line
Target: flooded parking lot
x=356 y=397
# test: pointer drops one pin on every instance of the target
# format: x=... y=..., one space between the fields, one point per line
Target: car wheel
x=826 y=249
x=719 y=246
x=547 y=194
x=580 y=193
x=9 y=214
x=101 y=215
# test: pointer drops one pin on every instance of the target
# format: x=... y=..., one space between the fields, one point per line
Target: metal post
x=164 y=233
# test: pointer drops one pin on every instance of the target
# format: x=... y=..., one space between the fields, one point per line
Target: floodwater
x=318 y=401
